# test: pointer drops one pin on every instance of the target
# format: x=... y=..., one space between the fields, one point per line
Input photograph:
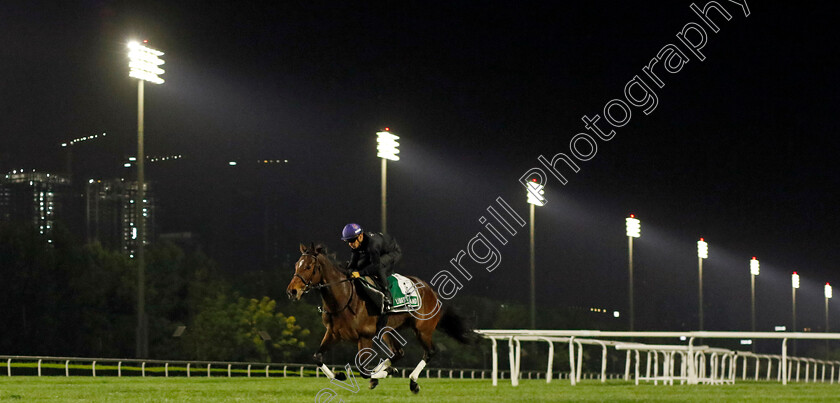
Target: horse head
x=308 y=272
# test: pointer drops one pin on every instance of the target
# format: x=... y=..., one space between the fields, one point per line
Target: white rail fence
x=82 y=366
x=685 y=363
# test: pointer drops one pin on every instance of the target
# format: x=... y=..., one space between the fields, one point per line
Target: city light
x=794 y=280
x=754 y=266
x=827 y=290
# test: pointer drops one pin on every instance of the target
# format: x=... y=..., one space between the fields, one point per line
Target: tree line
x=68 y=298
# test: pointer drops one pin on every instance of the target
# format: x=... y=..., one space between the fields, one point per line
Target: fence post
x=9 y=366
x=284 y=371
x=119 y=369
x=249 y=370
x=39 y=367
x=301 y=371
x=67 y=368
x=228 y=370
x=188 y=370
x=166 y=370
x=93 y=368
x=266 y=371
x=208 y=370
x=143 y=369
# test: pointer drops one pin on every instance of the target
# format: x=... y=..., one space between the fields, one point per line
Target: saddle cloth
x=405 y=294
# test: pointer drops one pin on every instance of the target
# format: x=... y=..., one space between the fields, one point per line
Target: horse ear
x=302 y=248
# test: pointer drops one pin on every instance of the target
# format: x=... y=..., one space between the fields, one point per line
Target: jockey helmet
x=350 y=231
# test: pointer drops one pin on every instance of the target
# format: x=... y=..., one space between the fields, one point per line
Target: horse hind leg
x=429 y=350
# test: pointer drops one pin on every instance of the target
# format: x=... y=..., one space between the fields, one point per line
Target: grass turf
x=133 y=389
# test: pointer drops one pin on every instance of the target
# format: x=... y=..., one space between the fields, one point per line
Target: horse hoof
x=415 y=388
x=373 y=383
x=341 y=376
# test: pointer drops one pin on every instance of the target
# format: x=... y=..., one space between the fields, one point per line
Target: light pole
x=535 y=198
x=794 y=283
x=387 y=148
x=753 y=274
x=144 y=65
x=702 y=253
x=634 y=230
x=827 y=297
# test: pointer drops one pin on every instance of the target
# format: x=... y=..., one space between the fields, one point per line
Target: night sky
x=741 y=148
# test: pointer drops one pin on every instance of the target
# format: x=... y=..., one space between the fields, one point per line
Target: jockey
x=373 y=254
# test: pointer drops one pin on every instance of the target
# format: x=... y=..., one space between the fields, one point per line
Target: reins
x=309 y=286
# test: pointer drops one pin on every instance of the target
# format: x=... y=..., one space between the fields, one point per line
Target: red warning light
x=701 y=239
x=387 y=129
x=753 y=257
x=145 y=41
x=632 y=216
x=794 y=272
x=534 y=180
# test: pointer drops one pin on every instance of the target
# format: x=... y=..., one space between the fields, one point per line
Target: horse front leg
x=327 y=342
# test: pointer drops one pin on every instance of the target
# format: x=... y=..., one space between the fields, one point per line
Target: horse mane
x=322 y=249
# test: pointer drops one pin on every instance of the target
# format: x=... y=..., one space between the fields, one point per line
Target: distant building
x=112 y=218
x=32 y=197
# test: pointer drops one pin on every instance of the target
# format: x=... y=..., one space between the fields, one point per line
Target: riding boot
x=388 y=300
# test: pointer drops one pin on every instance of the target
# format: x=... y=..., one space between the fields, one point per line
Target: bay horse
x=346 y=317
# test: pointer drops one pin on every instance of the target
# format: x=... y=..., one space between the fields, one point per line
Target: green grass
x=112 y=389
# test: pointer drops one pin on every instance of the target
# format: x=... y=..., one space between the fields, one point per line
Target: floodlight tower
x=828 y=295
x=144 y=65
x=702 y=253
x=535 y=194
x=387 y=149
x=634 y=230
x=794 y=284
x=753 y=274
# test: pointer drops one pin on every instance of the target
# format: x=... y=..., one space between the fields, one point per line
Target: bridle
x=307 y=285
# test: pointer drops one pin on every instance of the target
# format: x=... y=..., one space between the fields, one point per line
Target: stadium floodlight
x=753 y=273
x=634 y=226
x=702 y=253
x=534 y=193
x=702 y=249
x=634 y=230
x=387 y=146
x=144 y=63
x=794 y=282
x=827 y=297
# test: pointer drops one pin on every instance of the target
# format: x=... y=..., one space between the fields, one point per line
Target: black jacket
x=377 y=251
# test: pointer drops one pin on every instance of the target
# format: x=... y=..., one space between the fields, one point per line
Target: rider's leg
x=384 y=286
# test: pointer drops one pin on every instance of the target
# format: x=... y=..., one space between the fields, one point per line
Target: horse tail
x=455 y=327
